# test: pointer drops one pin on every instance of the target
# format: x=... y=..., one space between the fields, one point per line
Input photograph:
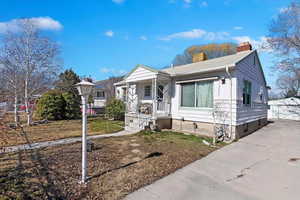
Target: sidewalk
x=63 y=141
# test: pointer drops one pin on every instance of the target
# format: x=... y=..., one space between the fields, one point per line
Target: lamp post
x=84 y=88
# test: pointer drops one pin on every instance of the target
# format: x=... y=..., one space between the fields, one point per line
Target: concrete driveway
x=256 y=167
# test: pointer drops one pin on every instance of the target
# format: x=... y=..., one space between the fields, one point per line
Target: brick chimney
x=244 y=46
x=198 y=57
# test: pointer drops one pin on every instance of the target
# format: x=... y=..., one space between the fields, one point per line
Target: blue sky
x=101 y=38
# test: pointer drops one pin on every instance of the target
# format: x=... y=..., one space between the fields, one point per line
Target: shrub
x=51 y=105
x=72 y=105
x=115 y=109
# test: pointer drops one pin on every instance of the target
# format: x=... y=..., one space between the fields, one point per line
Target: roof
x=208 y=65
x=145 y=67
x=120 y=82
x=102 y=84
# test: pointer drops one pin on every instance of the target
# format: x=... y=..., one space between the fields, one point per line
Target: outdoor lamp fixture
x=85 y=89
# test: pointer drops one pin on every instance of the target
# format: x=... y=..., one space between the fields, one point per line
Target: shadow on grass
x=151 y=155
x=31 y=177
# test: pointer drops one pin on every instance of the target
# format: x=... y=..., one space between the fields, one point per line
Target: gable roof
x=261 y=68
x=142 y=66
x=208 y=65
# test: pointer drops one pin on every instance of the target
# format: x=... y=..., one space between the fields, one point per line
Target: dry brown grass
x=60 y=129
x=114 y=168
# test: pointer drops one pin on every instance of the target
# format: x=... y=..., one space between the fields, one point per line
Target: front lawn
x=116 y=167
x=60 y=129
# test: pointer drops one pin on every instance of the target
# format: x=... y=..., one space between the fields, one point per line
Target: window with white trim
x=247 y=93
x=197 y=94
x=100 y=94
x=147 y=91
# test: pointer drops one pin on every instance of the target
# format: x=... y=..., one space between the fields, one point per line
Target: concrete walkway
x=63 y=141
x=263 y=165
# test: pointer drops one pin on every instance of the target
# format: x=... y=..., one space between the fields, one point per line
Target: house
x=286 y=108
x=229 y=91
x=103 y=91
x=99 y=95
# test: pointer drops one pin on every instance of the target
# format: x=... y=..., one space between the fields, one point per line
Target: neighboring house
x=230 y=91
x=287 y=108
x=120 y=89
x=100 y=96
x=104 y=90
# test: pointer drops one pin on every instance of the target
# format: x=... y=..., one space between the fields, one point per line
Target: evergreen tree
x=67 y=80
x=66 y=84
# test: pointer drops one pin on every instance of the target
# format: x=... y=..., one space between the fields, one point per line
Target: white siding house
x=197 y=97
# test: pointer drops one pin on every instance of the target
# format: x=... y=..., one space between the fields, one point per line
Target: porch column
x=154 y=86
x=127 y=98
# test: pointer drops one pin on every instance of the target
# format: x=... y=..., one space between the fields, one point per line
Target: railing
x=162 y=108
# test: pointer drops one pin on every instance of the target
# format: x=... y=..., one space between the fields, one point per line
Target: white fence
x=284 y=109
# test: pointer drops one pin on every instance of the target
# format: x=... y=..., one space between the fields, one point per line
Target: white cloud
x=112 y=71
x=241 y=39
x=46 y=23
x=187 y=1
x=118 y=1
x=104 y=70
x=42 y=23
x=143 y=37
x=203 y=4
x=109 y=33
x=283 y=9
x=238 y=28
x=197 y=34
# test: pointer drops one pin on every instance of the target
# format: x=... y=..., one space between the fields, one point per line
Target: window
x=147 y=91
x=197 y=94
x=188 y=95
x=247 y=93
x=261 y=97
x=100 y=94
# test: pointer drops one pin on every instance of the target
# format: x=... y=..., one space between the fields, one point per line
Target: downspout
x=228 y=73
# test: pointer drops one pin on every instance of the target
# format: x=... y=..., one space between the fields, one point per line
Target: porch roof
x=142 y=72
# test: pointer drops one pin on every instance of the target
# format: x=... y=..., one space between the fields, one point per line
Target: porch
x=148 y=98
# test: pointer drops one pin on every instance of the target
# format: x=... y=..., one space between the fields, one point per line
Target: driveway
x=262 y=165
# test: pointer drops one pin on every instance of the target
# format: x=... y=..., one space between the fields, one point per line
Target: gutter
x=230 y=77
x=203 y=71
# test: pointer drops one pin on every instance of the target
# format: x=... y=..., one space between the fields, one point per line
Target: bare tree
x=11 y=84
x=284 y=40
x=35 y=57
x=211 y=51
